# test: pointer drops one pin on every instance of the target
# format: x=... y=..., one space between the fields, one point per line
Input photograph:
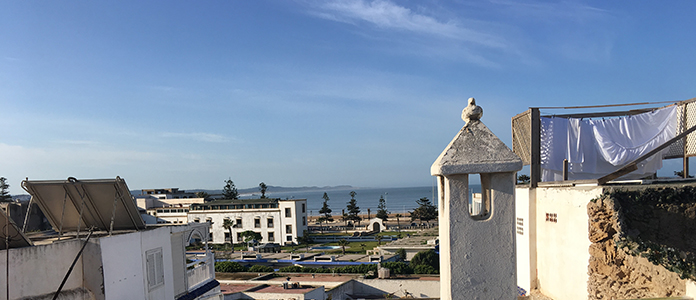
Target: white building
x=168 y=206
x=278 y=221
x=102 y=249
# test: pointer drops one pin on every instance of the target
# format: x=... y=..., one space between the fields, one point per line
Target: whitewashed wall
x=563 y=246
x=40 y=270
x=525 y=237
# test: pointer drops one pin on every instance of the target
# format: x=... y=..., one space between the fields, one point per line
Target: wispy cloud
x=198 y=136
x=552 y=11
x=390 y=16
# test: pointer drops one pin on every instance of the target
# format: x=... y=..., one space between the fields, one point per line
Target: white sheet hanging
x=598 y=147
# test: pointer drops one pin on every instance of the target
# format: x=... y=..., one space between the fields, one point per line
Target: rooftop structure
x=477 y=252
x=101 y=249
x=569 y=170
x=627 y=141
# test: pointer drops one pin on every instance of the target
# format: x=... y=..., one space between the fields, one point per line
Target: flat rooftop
x=315 y=278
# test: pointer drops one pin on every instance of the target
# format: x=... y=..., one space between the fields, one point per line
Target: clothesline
x=605 y=105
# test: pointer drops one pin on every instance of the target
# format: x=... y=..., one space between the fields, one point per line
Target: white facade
x=166 y=208
x=278 y=221
x=552 y=239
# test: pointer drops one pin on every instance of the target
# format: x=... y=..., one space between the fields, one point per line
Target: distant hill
x=270 y=189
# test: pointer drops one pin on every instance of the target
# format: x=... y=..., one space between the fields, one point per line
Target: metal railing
x=202 y=272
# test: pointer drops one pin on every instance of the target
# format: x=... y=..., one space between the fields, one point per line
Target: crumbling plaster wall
x=614 y=273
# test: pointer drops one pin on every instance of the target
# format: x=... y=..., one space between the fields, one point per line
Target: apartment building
x=278 y=221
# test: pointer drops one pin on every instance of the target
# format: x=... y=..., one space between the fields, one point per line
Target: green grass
x=352 y=248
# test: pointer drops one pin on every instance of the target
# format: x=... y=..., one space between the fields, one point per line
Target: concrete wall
x=525 y=233
x=477 y=256
x=399 y=287
x=40 y=270
x=562 y=246
x=123 y=280
x=316 y=294
x=129 y=280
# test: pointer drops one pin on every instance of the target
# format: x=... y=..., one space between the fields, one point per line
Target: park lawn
x=331 y=233
x=352 y=248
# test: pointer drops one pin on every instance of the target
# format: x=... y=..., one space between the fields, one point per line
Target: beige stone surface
x=614 y=274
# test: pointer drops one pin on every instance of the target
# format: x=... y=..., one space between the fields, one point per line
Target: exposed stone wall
x=613 y=272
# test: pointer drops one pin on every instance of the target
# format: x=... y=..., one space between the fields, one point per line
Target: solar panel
x=9 y=228
x=72 y=205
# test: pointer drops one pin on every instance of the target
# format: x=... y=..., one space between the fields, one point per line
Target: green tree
x=398 y=225
x=229 y=267
x=343 y=243
x=262 y=188
x=4 y=190
x=305 y=239
x=426 y=258
x=382 y=212
x=202 y=194
x=230 y=191
x=325 y=211
x=228 y=225
x=401 y=253
x=523 y=179
x=353 y=209
x=680 y=174
x=379 y=239
x=248 y=236
x=426 y=211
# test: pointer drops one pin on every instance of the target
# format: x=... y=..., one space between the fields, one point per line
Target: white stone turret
x=477 y=252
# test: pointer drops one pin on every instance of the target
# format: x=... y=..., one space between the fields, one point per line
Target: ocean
x=398 y=200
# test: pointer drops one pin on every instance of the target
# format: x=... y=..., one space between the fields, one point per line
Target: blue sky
x=293 y=93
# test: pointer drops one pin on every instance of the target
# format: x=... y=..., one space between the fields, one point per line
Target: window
x=227 y=236
x=288 y=228
x=288 y=238
x=288 y=212
x=155 y=268
x=271 y=238
x=197 y=220
x=270 y=223
x=303 y=207
x=304 y=221
x=239 y=223
x=239 y=237
x=257 y=223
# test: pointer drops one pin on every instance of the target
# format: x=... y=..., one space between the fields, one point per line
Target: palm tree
x=379 y=239
x=363 y=246
x=343 y=243
x=398 y=226
x=228 y=224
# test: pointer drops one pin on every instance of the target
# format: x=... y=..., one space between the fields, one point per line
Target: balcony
x=200 y=272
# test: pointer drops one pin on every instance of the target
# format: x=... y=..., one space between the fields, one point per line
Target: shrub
x=260 y=269
x=401 y=253
x=291 y=269
x=424 y=269
x=229 y=267
x=398 y=267
x=427 y=258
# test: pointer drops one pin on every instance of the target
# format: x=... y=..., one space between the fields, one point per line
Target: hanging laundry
x=595 y=148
